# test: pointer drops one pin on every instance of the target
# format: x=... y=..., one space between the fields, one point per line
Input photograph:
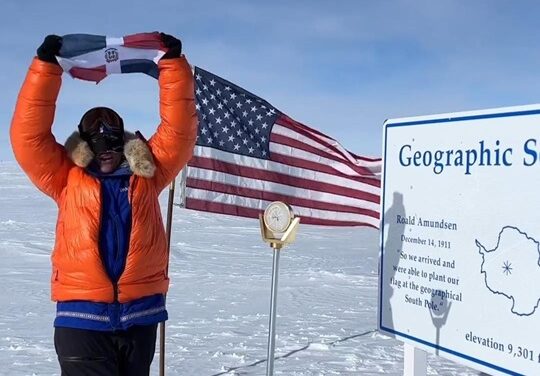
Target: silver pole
x=272 y=324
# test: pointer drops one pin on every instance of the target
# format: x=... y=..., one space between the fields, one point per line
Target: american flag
x=249 y=154
x=93 y=57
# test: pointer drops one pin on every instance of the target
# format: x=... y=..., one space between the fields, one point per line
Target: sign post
x=414 y=361
x=460 y=239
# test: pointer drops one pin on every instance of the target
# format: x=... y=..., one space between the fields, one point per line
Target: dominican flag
x=93 y=57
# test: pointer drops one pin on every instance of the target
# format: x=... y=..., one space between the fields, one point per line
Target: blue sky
x=341 y=67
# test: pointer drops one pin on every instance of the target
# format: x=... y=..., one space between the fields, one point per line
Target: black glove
x=174 y=45
x=49 y=48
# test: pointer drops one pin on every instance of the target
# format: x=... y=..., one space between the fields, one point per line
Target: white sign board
x=460 y=251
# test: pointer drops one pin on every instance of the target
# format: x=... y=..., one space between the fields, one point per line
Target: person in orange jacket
x=109 y=263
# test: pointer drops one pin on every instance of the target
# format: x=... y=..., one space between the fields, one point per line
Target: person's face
x=106 y=140
x=107 y=145
x=108 y=161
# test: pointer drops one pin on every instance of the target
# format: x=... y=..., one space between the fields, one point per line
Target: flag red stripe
x=368 y=184
x=151 y=41
x=310 y=165
x=288 y=123
x=254 y=173
x=240 y=211
x=287 y=141
x=304 y=130
x=297 y=125
x=218 y=207
x=270 y=196
x=294 y=126
x=90 y=74
x=366 y=159
x=329 y=222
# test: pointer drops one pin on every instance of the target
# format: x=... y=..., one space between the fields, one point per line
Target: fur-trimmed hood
x=136 y=152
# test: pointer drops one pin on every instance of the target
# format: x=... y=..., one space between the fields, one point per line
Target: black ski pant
x=93 y=353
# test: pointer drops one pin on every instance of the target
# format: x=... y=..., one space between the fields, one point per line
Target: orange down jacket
x=77 y=270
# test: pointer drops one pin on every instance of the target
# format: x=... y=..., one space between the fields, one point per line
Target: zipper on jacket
x=116 y=259
x=101 y=252
x=117 y=231
x=129 y=227
x=115 y=278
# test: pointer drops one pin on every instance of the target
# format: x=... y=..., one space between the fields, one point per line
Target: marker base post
x=276 y=241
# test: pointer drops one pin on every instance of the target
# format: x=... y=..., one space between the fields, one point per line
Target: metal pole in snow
x=272 y=324
x=168 y=229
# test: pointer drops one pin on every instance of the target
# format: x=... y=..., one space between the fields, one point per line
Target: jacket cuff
x=173 y=63
x=46 y=67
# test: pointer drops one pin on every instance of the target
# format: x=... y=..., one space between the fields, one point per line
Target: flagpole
x=182 y=186
x=170 y=207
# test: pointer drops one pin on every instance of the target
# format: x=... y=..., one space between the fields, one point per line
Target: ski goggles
x=103 y=138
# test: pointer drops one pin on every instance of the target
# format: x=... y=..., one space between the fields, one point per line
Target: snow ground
x=219 y=297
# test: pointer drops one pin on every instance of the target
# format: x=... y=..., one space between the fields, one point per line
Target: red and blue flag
x=93 y=57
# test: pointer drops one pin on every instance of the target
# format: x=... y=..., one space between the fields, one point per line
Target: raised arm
x=35 y=148
x=172 y=144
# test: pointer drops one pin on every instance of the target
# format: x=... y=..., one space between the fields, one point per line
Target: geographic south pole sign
x=460 y=237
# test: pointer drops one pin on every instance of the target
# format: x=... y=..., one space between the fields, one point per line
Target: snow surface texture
x=219 y=297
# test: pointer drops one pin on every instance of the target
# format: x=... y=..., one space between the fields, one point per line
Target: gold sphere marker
x=278 y=228
x=278 y=224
